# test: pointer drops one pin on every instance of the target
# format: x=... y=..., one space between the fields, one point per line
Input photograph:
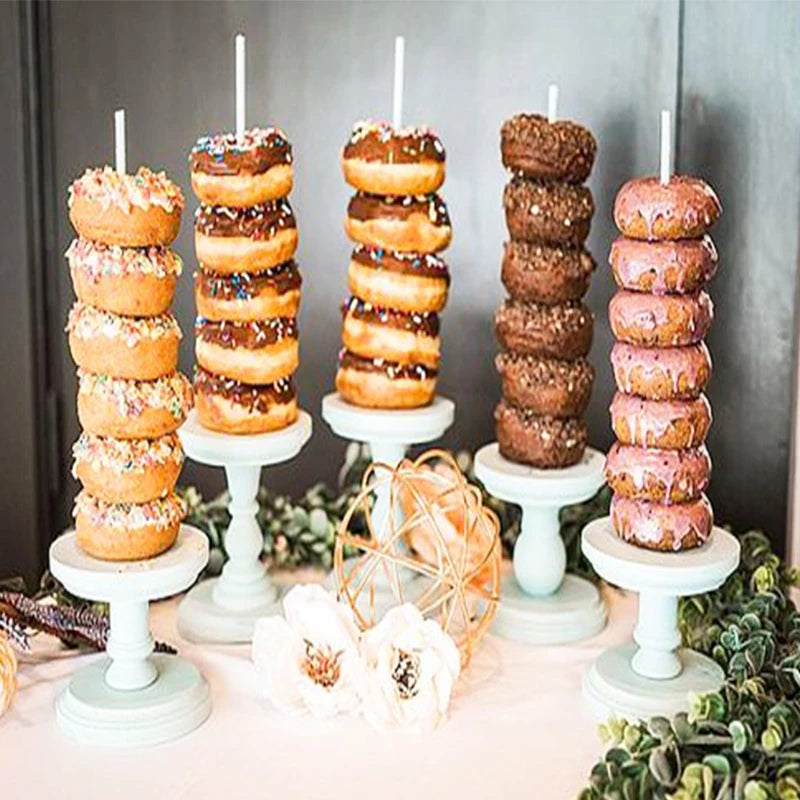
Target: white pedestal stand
x=539 y=604
x=224 y=609
x=389 y=433
x=133 y=697
x=656 y=677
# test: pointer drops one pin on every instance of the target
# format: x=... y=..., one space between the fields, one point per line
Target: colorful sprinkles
x=145 y=189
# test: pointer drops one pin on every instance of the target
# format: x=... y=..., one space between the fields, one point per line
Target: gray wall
x=728 y=71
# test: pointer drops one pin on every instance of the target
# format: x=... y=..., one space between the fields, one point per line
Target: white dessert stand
x=388 y=433
x=656 y=677
x=225 y=609
x=539 y=603
x=133 y=697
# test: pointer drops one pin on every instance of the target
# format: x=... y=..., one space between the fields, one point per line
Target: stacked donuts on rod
x=124 y=339
x=247 y=288
x=544 y=328
x=398 y=283
x=659 y=468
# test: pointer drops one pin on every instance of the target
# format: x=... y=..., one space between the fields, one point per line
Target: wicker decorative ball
x=8 y=674
x=437 y=528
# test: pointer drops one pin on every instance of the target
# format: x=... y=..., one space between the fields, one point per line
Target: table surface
x=518 y=727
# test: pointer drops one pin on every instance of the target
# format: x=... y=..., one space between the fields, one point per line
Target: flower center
x=322 y=665
x=405 y=673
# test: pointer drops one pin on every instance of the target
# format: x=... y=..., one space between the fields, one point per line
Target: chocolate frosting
x=258 y=398
x=378 y=141
x=253 y=153
x=244 y=285
x=425 y=265
x=392 y=370
x=364 y=206
x=250 y=335
x=261 y=221
x=426 y=324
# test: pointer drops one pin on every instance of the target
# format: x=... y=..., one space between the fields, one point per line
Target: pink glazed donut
x=662 y=527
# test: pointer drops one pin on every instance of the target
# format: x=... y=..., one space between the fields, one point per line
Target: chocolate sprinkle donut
x=257 y=398
x=261 y=221
x=365 y=206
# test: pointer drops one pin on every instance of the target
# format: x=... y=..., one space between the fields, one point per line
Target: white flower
x=411 y=666
x=310 y=660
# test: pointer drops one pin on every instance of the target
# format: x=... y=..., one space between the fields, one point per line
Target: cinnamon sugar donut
x=661 y=476
x=244 y=296
x=131 y=409
x=128 y=210
x=127 y=531
x=666 y=424
x=381 y=160
x=669 y=373
x=374 y=332
x=229 y=406
x=656 y=526
x=411 y=223
x=251 y=239
x=404 y=281
x=653 y=320
x=127 y=470
x=232 y=170
x=563 y=331
x=684 y=208
x=135 y=282
x=671 y=267
x=377 y=383
x=255 y=352
x=143 y=348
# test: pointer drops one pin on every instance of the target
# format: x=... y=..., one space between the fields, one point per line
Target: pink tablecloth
x=519 y=727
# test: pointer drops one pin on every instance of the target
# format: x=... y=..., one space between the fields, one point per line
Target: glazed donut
x=373 y=332
x=544 y=150
x=255 y=352
x=684 y=208
x=128 y=210
x=246 y=170
x=244 y=296
x=252 y=239
x=660 y=476
x=542 y=273
x=669 y=373
x=563 y=331
x=413 y=223
x=667 y=320
x=672 y=267
x=143 y=348
x=131 y=409
x=135 y=282
x=376 y=383
x=665 y=424
x=127 y=531
x=404 y=281
x=544 y=442
x=662 y=527
x=127 y=470
x=381 y=160
x=228 y=406
x=559 y=213
x=545 y=386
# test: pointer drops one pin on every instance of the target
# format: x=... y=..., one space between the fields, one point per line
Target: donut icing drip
x=127 y=455
x=132 y=398
x=97 y=260
x=254 y=398
x=391 y=369
x=648 y=420
x=260 y=222
x=380 y=142
x=252 y=153
x=651 y=524
x=161 y=513
x=245 y=285
x=685 y=369
x=144 y=190
x=643 y=314
x=425 y=324
x=364 y=206
x=251 y=335
x=88 y=322
x=427 y=265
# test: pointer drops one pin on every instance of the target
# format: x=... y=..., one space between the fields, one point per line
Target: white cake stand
x=539 y=603
x=224 y=609
x=656 y=677
x=133 y=697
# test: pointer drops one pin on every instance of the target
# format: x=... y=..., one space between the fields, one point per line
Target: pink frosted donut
x=668 y=373
x=662 y=527
x=667 y=424
x=672 y=267
x=662 y=476
x=660 y=320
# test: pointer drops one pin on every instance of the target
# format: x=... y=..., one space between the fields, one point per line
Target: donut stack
x=544 y=328
x=124 y=339
x=247 y=289
x=398 y=284
x=659 y=468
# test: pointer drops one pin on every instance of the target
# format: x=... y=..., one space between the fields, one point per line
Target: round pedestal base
x=201 y=619
x=612 y=687
x=177 y=702
x=575 y=611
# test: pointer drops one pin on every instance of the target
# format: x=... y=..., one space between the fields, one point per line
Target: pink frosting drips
x=649 y=523
x=679 y=366
x=647 y=420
